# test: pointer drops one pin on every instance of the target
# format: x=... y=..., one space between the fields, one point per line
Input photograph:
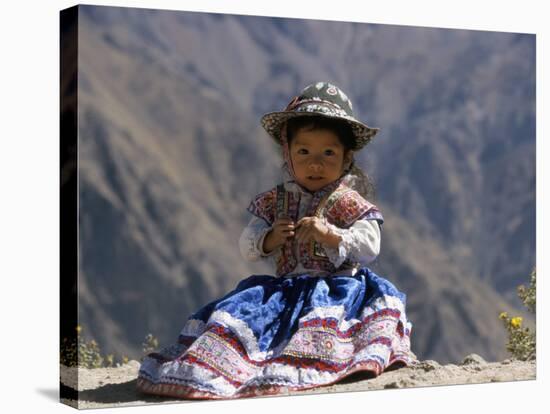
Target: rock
x=473 y=359
x=403 y=382
x=428 y=365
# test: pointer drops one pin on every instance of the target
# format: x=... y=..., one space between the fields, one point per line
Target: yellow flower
x=516 y=322
x=503 y=315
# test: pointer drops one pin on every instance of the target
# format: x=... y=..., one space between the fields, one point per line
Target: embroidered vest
x=342 y=207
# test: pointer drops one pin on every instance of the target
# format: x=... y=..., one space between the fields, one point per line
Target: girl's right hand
x=282 y=229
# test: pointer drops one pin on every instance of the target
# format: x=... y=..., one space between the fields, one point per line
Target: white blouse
x=360 y=243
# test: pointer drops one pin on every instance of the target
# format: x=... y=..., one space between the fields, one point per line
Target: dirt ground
x=116 y=387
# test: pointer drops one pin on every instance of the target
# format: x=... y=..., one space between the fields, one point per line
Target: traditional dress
x=321 y=316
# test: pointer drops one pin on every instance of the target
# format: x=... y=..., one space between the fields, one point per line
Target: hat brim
x=273 y=121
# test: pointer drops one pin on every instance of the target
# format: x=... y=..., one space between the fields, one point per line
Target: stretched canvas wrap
x=165 y=163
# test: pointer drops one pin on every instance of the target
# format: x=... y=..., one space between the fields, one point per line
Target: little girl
x=324 y=315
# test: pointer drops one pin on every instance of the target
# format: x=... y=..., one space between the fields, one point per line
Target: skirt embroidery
x=306 y=332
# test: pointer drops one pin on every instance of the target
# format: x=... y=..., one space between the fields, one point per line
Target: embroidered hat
x=321 y=98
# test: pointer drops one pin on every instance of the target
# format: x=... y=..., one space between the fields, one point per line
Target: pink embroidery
x=347 y=209
x=263 y=206
x=317 y=344
x=342 y=207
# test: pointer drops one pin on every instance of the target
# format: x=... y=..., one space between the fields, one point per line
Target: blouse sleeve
x=360 y=243
x=252 y=240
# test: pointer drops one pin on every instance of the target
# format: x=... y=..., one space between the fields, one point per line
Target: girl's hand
x=308 y=228
x=282 y=229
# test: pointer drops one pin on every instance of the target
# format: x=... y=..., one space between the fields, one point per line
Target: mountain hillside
x=171 y=152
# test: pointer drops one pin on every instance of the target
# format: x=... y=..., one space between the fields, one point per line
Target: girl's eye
x=302 y=151
x=329 y=152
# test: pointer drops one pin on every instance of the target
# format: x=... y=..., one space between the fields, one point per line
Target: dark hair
x=312 y=122
x=344 y=133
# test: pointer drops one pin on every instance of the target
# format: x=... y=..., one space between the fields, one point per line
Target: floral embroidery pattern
x=341 y=208
x=263 y=206
x=347 y=208
x=339 y=204
x=319 y=350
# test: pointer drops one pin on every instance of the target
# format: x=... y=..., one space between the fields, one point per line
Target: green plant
x=521 y=341
x=69 y=352
x=79 y=352
x=529 y=295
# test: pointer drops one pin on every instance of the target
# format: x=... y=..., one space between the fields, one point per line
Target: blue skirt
x=274 y=334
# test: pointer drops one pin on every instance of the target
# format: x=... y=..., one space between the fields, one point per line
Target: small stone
x=391 y=385
x=429 y=365
x=473 y=359
x=506 y=362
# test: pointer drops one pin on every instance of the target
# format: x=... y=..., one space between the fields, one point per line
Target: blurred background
x=171 y=151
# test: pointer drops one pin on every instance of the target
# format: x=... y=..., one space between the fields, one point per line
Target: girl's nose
x=315 y=166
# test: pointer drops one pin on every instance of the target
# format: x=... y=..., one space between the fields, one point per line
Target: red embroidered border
x=188 y=392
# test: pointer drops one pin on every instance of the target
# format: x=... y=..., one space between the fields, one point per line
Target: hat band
x=296 y=103
x=322 y=108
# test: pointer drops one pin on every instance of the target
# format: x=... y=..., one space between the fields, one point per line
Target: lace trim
x=275 y=373
x=337 y=312
x=177 y=373
x=198 y=377
x=195 y=327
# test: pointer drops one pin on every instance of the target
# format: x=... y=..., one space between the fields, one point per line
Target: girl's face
x=318 y=158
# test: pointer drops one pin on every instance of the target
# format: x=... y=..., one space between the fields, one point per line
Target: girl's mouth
x=315 y=178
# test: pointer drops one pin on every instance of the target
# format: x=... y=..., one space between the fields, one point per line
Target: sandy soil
x=112 y=387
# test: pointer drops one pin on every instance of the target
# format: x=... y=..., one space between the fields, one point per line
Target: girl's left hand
x=308 y=228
